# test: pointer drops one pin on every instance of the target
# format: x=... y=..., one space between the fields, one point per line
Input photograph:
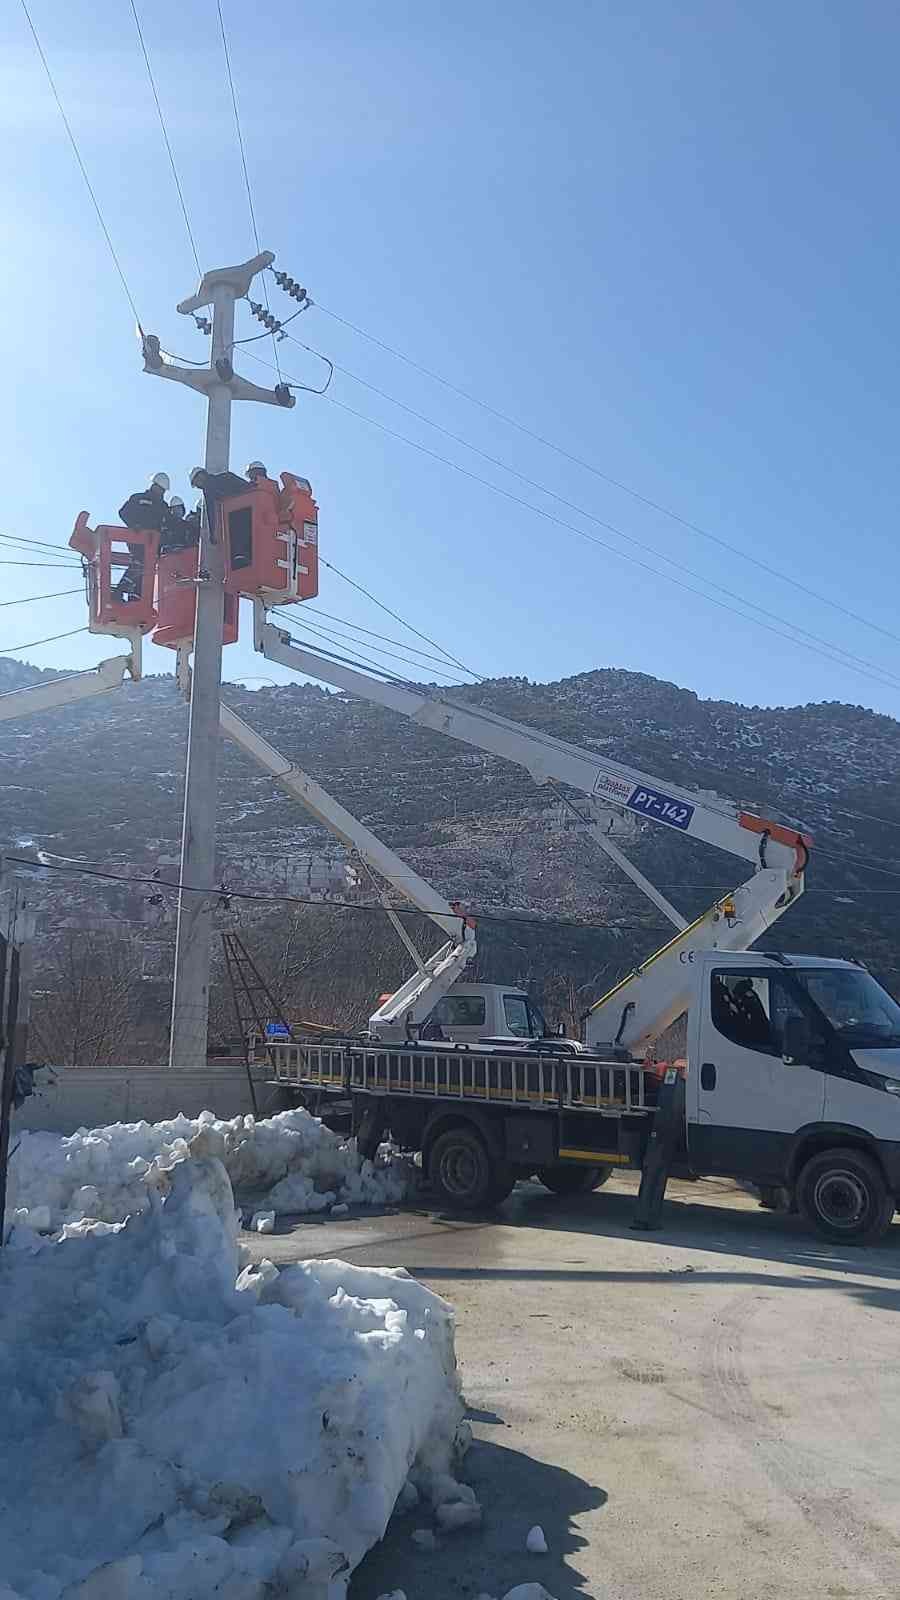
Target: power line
x=600 y=522
x=40 y=544
x=11 y=547
x=879 y=675
x=616 y=483
x=358 y=628
x=10 y=649
x=244 y=168
x=358 y=663
x=397 y=618
x=31 y=599
x=560 y=522
x=49 y=566
x=380 y=603
x=81 y=166
x=857 y=861
x=323 y=633
x=166 y=141
x=845 y=811
x=537 y=921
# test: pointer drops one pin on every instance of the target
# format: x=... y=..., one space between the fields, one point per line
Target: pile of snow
x=289 y=1163
x=204 y=1430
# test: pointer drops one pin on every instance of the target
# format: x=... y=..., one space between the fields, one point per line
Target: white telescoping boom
x=413 y=1001
x=636 y=1011
x=107 y=675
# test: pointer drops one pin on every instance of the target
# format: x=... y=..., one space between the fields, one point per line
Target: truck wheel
x=566 y=1179
x=842 y=1193
x=464 y=1173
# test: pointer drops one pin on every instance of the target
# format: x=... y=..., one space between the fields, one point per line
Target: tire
x=566 y=1179
x=843 y=1195
x=463 y=1172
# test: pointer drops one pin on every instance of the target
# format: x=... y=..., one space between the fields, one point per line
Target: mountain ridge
x=103 y=781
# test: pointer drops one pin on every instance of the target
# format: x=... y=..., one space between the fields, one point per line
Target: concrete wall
x=89 y=1097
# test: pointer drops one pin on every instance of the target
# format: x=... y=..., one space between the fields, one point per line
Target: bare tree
x=85 y=1001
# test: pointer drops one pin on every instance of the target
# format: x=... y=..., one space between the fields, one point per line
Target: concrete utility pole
x=190 y=998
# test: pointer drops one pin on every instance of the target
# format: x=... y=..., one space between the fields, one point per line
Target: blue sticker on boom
x=650 y=803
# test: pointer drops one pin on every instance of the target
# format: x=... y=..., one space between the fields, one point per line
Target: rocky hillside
x=104 y=782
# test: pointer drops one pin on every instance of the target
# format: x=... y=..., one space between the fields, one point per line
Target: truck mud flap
x=662 y=1148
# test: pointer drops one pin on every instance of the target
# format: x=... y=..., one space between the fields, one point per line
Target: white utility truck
x=792 y=1081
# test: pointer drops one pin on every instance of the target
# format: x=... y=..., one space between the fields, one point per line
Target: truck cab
x=487 y=1013
x=794 y=1083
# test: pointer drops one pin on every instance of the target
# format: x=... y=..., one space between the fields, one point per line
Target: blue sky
x=662 y=236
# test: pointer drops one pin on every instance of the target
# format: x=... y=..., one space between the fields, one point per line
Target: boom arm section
x=412 y=1002
x=110 y=674
x=697 y=815
x=639 y=1008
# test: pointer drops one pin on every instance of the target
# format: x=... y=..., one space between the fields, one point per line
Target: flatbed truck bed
x=481 y=1116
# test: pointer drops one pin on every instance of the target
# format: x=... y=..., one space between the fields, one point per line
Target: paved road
x=707 y=1413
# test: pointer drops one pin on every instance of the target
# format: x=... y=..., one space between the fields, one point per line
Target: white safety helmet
x=176 y=503
x=196 y=472
x=161 y=479
x=255 y=469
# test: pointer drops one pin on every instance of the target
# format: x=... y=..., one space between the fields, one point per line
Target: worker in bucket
x=146 y=508
x=180 y=529
x=216 y=486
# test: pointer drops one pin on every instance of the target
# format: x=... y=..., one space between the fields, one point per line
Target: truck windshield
x=859 y=1010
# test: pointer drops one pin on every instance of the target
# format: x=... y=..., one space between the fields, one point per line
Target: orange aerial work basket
x=271 y=538
x=120 y=569
x=176 y=601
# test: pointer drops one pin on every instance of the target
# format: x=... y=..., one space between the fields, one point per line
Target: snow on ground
x=288 y=1163
x=208 y=1431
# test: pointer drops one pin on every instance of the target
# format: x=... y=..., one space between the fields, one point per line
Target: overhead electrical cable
x=360 y=664
x=358 y=628
x=166 y=140
x=615 y=483
x=81 y=166
x=338 y=639
x=31 y=599
x=397 y=617
x=244 y=167
x=877 y=676
x=537 y=921
x=601 y=522
x=65 y=561
x=32 y=644
x=872 y=671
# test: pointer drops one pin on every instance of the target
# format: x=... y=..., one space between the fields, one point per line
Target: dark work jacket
x=219 y=485
x=143 y=510
x=179 y=532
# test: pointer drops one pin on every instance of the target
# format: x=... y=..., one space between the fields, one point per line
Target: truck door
x=745 y=1104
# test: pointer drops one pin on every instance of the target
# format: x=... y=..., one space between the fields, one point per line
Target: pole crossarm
x=236 y=280
x=204 y=379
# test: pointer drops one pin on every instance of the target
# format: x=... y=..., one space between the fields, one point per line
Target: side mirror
x=796 y=1041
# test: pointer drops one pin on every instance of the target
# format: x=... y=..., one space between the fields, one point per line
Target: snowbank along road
x=709 y=1411
x=176 y=1428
